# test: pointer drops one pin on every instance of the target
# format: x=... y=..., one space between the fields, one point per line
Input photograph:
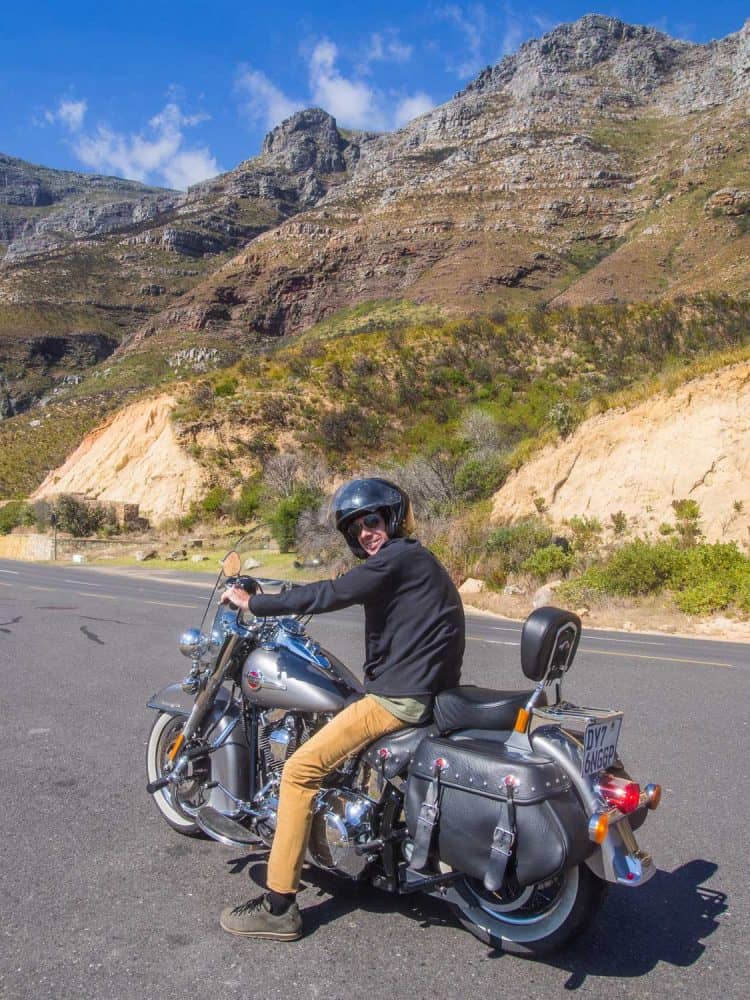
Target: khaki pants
x=351 y=730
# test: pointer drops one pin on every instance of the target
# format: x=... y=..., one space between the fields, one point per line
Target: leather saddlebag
x=463 y=788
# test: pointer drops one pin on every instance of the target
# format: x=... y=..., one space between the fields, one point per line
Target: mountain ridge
x=601 y=164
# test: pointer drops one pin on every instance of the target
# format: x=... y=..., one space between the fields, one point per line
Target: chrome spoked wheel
x=165 y=730
x=538 y=919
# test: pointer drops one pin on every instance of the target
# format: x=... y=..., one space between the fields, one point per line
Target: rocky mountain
x=599 y=163
x=603 y=164
x=92 y=257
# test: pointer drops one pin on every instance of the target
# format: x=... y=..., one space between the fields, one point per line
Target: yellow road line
x=627 y=656
x=662 y=659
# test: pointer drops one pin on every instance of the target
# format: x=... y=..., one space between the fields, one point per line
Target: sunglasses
x=369 y=521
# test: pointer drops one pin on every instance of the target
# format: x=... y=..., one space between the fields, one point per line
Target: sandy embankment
x=132 y=458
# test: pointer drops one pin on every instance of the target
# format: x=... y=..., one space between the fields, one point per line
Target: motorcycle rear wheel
x=542 y=918
x=164 y=732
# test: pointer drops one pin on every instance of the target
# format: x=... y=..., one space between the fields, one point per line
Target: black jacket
x=414 y=619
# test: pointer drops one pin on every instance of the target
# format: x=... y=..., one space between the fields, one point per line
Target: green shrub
x=705 y=597
x=587 y=533
x=619 y=521
x=564 y=417
x=249 y=500
x=215 y=501
x=78 y=518
x=742 y=592
x=226 y=387
x=687 y=517
x=14 y=514
x=478 y=477
x=548 y=561
x=640 y=568
x=285 y=518
x=520 y=540
x=584 y=589
x=507 y=548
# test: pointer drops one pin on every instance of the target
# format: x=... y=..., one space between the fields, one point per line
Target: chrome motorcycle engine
x=341 y=817
x=341 y=820
x=279 y=736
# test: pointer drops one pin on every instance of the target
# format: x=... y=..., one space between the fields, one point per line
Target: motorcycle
x=513 y=807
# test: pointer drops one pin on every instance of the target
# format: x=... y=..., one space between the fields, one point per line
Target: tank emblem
x=254 y=680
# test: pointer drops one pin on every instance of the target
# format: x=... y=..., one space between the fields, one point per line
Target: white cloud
x=387 y=47
x=411 y=107
x=266 y=104
x=352 y=103
x=69 y=113
x=161 y=155
x=472 y=24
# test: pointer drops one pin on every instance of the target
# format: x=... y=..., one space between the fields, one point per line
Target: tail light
x=619 y=793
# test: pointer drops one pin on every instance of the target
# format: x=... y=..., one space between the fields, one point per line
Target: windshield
x=237 y=562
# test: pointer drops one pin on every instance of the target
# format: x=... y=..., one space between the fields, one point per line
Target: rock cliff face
x=693 y=444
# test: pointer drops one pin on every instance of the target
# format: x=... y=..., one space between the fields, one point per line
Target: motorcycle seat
x=471 y=707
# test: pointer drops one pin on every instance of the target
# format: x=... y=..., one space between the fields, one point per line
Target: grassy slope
x=392 y=381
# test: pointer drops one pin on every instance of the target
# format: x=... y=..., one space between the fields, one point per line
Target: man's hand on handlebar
x=236 y=597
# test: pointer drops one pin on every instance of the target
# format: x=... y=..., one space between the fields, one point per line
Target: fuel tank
x=293 y=672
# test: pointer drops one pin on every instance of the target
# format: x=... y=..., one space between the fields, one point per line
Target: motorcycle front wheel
x=540 y=919
x=164 y=732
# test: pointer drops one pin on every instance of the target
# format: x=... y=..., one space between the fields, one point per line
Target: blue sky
x=172 y=92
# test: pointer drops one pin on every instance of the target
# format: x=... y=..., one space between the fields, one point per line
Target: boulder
x=143 y=554
x=251 y=563
x=545 y=594
x=471 y=586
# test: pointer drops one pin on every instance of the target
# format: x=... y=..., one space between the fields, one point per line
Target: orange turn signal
x=522 y=721
x=653 y=794
x=598 y=827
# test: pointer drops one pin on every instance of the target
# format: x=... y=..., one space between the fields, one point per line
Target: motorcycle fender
x=230 y=763
x=618 y=859
x=174 y=701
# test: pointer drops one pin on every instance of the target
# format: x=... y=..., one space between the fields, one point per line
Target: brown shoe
x=254 y=919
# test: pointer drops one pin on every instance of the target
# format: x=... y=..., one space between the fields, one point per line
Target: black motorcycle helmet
x=369 y=496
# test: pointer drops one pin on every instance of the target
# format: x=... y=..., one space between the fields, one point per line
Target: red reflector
x=623 y=795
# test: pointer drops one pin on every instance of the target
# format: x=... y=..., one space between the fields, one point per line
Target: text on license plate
x=600 y=746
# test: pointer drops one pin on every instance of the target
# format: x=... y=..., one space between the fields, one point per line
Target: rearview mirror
x=231 y=564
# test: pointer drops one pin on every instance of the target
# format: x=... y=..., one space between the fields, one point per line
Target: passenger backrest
x=549 y=641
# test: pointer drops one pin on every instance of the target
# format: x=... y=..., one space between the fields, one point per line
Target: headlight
x=193 y=643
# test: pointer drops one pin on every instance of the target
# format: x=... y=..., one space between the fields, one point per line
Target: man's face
x=369 y=529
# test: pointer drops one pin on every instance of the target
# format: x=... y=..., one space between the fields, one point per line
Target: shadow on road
x=339 y=896
x=664 y=921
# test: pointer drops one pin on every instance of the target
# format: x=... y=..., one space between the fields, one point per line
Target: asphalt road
x=101 y=899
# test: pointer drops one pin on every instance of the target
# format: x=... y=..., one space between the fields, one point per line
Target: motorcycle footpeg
x=156 y=785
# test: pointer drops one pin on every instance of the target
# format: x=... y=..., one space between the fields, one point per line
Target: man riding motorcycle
x=414 y=634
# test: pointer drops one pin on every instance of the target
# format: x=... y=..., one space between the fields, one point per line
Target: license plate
x=600 y=745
